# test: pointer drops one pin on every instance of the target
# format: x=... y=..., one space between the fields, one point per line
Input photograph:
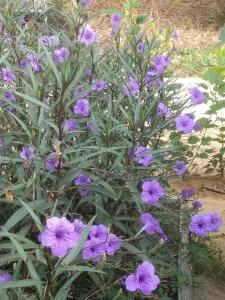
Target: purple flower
x=160 y=63
x=131 y=88
x=93 y=249
x=49 y=41
x=59 y=236
x=22 y=64
x=89 y=73
x=141 y=47
x=98 y=232
x=1 y=27
x=197 y=96
x=33 y=61
x=82 y=179
x=2 y=145
x=87 y=36
x=185 y=123
x=11 y=110
x=52 y=162
x=116 y=23
x=151 y=225
x=61 y=55
x=27 y=153
x=5 y=277
x=152 y=80
x=78 y=226
x=83 y=192
x=99 y=86
x=91 y=126
x=151 y=192
x=180 y=168
x=197 y=127
x=196 y=204
x=175 y=36
x=199 y=225
x=144 y=280
x=82 y=108
x=142 y=156
x=70 y=125
x=113 y=244
x=186 y=193
x=10 y=96
x=163 y=110
x=80 y=91
x=8 y=75
x=23 y=21
x=86 y=2
x=214 y=221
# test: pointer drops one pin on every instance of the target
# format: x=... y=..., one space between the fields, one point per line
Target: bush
x=88 y=146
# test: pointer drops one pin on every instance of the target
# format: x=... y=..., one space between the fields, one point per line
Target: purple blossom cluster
x=142 y=156
x=185 y=124
x=152 y=226
x=27 y=153
x=163 y=110
x=82 y=108
x=5 y=277
x=180 y=168
x=2 y=145
x=152 y=192
x=8 y=75
x=116 y=23
x=49 y=41
x=131 y=88
x=82 y=181
x=202 y=225
x=61 y=55
x=33 y=61
x=86 y=2
x=87 y=36
x=99 y=242
x=186 y=194
x=10 y=96
x=99 y=86
x=60 y=235
x=70 y=125
x=144 y=280
x=157 y=68
x=197 y=96
x=141 y=47
x=52 y=162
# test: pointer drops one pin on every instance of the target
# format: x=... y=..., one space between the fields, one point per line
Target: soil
x=197 y=22
x=211 y=201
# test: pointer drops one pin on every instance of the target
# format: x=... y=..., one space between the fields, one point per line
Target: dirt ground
x=211 y=201
x=197 y=22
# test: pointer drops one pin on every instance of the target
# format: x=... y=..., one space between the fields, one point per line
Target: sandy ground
x=211 y=201
x=197 y=22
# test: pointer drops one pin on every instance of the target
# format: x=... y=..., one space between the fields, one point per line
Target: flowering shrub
x=91 y=145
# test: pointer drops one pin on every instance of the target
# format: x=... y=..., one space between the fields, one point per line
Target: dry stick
x=213 y=190
x=184 y=291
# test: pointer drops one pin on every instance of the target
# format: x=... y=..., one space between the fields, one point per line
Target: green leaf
x=53 y=66
x=62 y=294
x=218 y=106
x=28 y=262
x=32 y=100
x=33 y=215
x=141 y=19
x=18 y=284
x=77 y=269
x=4 y=57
